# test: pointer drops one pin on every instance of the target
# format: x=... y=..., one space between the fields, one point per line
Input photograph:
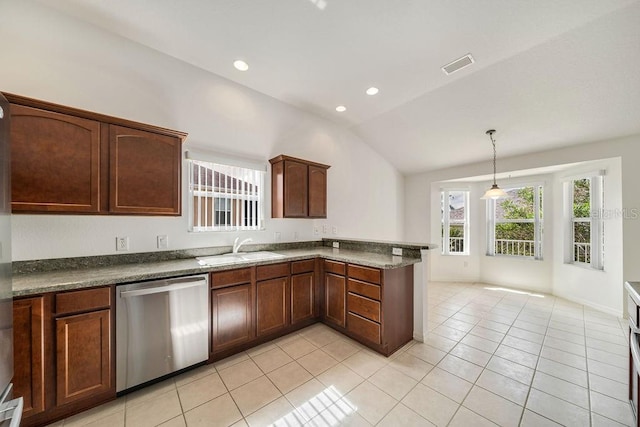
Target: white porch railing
x=456 y=244
x=515 y=247
x=582 y=252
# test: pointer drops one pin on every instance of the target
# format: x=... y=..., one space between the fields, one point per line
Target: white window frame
x=203 y=195
x=537 y=221
x=596 y=233
x=445 y=222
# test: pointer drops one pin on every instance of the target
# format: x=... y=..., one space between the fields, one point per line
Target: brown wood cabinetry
x=380 y=306
x=55 y=162
x=335 y=285
x=63 y=345
x=232 y=303
x=272 y=301
x=28 y=354
x=65 y=160
x=303 y=291
x=144 y=172
x=298 y=188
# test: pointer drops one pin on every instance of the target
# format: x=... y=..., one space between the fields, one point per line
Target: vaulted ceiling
x=547 y=73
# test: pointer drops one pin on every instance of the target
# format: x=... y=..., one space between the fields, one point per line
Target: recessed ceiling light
x=240 y=65
x=372 y=90
x=341 y=108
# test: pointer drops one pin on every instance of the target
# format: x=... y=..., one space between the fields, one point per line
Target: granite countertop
x=60 y=280
x=634 y=290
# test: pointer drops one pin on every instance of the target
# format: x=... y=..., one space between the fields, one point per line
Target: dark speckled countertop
x=59 y=280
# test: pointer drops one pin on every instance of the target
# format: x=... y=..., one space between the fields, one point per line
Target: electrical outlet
x=325 y=229
x=276 y=236
x=334 y=229
x=122 y=244
x=163 y=241
x=316 y=230
x=396 y=251
x=336 y=245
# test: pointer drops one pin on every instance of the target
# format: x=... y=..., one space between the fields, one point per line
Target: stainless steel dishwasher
x=161 y=327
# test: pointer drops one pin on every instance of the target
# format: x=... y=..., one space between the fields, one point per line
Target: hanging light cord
x=493 y=142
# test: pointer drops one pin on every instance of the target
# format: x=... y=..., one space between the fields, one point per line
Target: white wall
x=602 y=290
x=50 y=56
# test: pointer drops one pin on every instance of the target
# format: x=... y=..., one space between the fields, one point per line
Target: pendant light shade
x=494 y=192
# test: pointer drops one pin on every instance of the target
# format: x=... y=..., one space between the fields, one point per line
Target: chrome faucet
x=236 y=245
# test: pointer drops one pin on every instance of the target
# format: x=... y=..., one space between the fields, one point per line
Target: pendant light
x=494 y=192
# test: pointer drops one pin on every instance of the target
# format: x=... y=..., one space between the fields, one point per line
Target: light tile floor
x=493 y=356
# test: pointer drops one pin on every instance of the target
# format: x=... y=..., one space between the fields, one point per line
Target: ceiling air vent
x=458 y=64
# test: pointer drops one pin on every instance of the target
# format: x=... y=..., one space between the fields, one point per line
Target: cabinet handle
x=633 y=343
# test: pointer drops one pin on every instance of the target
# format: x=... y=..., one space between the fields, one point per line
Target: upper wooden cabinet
x=55 y=162
x=298 y=188
x=65 y=160
x=144 y=172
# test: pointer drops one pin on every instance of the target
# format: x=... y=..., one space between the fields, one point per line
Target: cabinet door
x=28 y=355
x=83 y=349
x=144 y=173
x=231 y=316
x=55 y=162
x=302 y=297
x=335 y=290
x=295 y=189
x=317 y=192
x=273 y=307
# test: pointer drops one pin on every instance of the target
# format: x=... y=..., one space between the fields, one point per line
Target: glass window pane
x=456 y=238
x=515 y=239
x=581 y=199
x=518 y=205
x=456 y=206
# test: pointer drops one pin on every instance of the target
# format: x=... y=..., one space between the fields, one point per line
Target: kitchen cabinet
x=144 y=172
x=380 y=306
x=272 y=307
x=28 y=354
x=65 y=160
x=55 y=162
x=232 y=300
x=298 y=188
x=83 y=326
x=63 y=352
x=335 y=292
x=303 y=291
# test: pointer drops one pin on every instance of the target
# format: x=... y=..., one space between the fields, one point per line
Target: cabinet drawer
x=365 y=307
x=272 y=271
x=334 y=267
x=366 y=289
x=367 y=274
x=303 y=266
x=230 y=277
x=364 y=328
x=85 y=300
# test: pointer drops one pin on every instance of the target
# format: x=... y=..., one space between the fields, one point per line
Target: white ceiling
x=548 y=73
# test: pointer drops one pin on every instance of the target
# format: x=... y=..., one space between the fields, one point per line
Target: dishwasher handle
x=174 y=285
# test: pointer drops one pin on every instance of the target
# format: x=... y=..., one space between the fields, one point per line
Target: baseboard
x=418 y=337
x=590 y=304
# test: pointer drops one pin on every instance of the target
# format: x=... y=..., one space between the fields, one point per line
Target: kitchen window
x=514 y=226
x=584 y=236
x=224 y=194
x=454 y=214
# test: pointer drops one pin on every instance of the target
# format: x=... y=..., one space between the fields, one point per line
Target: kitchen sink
x=237 y=258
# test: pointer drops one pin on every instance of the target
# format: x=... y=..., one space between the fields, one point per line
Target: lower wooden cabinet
x=231 y=311
x=302 y=297
x=272 y=312
x=28 y=354
x=83 y=355
x=335 y=289
x=63 y=355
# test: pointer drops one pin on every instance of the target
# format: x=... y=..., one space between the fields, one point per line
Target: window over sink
x=225 y=194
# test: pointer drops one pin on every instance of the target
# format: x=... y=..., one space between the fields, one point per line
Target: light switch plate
x=336 y=245
x=163 y=241
x=396 y=251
